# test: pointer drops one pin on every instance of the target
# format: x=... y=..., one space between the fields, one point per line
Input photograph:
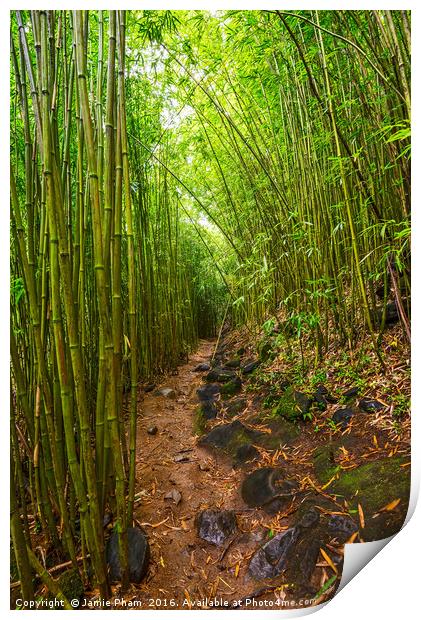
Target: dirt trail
x=183 y=568
x=177 y=479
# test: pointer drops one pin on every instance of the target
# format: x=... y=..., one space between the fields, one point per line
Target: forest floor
x=330 y=469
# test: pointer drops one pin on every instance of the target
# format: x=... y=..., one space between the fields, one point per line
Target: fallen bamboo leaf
x=237 y=570
x=351 y=538
x=328 y=560
x=155 y=524
x=361 y=515
x=390 y=506
x=188 y=599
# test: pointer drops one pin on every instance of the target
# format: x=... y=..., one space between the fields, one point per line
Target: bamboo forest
x=210 y=303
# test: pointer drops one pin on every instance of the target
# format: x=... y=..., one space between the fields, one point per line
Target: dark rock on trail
x=351 y=393
x=235 y=407
x=231 y=387
x=208 y=409
x=250 y=366
x=342 y=417
x=323 y=398
x=246 y=452
x=341 y=524
x=215 y=526
x=370 y=405
x=229 y=436
x=220 y=375
x=234 y=363
x=139 y=555
x=149 y=387
x=152 y=430
x=309 y=518
x=208 y=392
x=267 y=488
x=202 y=368
x=303 y=401
x=270 y=560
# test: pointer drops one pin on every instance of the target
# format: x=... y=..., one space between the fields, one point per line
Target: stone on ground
x=267 y=488
x=216 y=526
x=138 y=558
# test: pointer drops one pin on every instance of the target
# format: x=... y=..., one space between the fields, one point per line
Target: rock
x=342 y=417
x=152 y=430
x=235 y=407
x=282 y=432
x=370 y=405
x=310 y=518
x=342 y=524
x=250 y=366
x=181 y=458
x=351 y=393
x=208 y=409
x=374 y=485
x=138 y=558
x=270 y=560
x=167 y=393
x=246 y=452
x=231 y=387
x=220 y=375
x=215 y=526
x=149 y=387
x=265 y=349
x=202 y=368
x=303 y=401
x=174 y=495
x=323 y=398
x=307 y=554
x=71 y=585
x=392 y=313
x=267 y=488
x=292 y=405
x=225 y=434
x=234 y=363
x=208 y=392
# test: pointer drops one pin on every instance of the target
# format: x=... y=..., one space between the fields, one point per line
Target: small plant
x=331 y=424
x=402 y=405
x=268 y=326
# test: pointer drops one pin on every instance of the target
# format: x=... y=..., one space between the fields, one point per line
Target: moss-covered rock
x=373 y=485
x=235 y=407
x=71 y=585
x=230 y=388
x=265 y=349
x=292 y=405
x=229 y=438
x=281 y=432
x=199 y=422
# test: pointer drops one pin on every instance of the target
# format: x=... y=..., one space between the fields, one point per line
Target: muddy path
x=183 y=570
